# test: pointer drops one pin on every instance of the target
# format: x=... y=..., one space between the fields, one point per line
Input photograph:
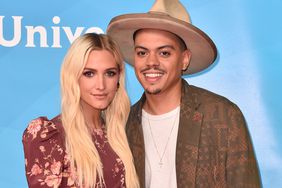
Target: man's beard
x=154 y=92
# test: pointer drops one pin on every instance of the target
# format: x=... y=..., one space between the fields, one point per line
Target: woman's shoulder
x=41 y=129
x=45 y=154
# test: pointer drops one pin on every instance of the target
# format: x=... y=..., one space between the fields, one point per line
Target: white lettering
x=30 y=36
x=77 y=33
x=17 y=32
x=56 y=33
x=42 y=33
x=94 y=30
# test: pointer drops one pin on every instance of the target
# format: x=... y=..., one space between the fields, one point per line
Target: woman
x=86 y=145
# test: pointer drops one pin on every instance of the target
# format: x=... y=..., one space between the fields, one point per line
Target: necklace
x=155 y=145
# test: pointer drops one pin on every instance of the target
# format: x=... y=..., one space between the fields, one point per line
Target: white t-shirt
x=160 y=135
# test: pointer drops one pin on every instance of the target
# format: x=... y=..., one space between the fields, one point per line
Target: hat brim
x=122 y=28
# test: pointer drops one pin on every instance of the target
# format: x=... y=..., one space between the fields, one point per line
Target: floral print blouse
x=47 y=164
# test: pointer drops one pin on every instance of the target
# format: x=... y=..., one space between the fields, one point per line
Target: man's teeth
x=153 y=75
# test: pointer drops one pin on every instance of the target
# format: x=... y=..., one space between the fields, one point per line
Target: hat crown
x=173 y=8
x=167 y=15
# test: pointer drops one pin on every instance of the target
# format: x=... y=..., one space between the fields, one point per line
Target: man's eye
x=88 y=74
x=111 y=73
x=165 y=54
x=141 y=53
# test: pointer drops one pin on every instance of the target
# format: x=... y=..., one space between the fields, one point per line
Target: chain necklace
x=155 y=145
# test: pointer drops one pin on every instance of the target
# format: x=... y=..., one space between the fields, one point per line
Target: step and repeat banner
x=35 y=35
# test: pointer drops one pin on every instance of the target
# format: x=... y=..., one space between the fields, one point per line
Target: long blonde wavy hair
x=79 y=144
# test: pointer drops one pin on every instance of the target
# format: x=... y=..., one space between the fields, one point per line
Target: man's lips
x=153 y=75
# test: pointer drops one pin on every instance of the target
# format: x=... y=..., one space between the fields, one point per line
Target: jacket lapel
x=136 y=139
x=187 y=141
x=188 y=138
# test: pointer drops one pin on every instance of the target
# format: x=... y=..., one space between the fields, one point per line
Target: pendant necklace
x=155 y=145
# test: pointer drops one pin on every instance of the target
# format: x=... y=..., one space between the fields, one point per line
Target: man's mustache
x=152 y=68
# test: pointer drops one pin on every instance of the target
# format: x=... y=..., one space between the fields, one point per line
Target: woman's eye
x=88 y=74
x=111 y=73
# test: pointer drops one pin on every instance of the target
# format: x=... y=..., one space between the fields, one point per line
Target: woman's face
x=99 y=80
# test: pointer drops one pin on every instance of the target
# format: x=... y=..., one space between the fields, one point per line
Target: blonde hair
x=79 y=145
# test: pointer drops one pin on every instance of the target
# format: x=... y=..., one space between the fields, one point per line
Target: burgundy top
x=47 y=163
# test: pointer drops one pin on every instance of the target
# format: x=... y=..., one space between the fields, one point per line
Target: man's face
x=159 y=60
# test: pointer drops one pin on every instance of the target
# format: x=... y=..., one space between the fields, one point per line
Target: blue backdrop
x=248 y=72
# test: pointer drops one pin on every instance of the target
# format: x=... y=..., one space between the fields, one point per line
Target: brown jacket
x=214 y=148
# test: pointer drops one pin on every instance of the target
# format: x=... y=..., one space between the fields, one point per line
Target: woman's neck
x=92 y=116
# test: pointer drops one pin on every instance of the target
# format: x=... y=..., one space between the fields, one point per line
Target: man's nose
x=152 y=60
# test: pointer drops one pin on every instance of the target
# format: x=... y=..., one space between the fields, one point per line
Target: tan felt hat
x=168 y=15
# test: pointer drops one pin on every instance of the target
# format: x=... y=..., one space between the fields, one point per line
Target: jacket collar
x=188 y=99
x=188 y=135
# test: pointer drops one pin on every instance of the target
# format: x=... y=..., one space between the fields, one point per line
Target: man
x=180 y=135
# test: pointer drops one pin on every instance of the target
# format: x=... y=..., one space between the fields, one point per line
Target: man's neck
x=163 y=102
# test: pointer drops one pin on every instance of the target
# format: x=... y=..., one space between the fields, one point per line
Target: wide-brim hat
x=169 y=16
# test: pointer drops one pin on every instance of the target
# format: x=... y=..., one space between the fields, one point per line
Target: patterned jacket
x=214 y=148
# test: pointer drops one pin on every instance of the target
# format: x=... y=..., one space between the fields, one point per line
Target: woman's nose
x=100 y=82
